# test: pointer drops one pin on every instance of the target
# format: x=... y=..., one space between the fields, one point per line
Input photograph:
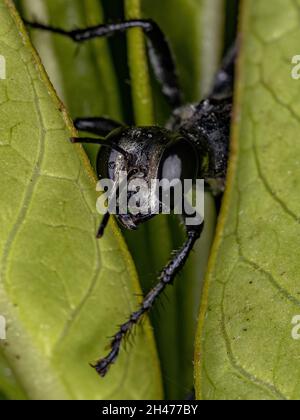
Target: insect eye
x=179 y=161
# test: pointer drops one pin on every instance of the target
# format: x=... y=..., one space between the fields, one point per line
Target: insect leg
x=166 y=278
x=223 y=85
x=103 y=225
x=159 y=50
x=100 y=126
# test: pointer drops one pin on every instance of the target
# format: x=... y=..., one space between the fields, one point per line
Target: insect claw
x=101 y=368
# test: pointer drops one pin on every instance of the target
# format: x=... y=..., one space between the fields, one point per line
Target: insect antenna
x=102 y=142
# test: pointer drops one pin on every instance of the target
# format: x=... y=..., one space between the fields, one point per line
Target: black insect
x=197 y=135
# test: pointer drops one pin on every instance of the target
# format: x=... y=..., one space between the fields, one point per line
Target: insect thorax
x=207 y=125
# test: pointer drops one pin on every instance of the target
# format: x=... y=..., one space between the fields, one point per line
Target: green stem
x=139 y=70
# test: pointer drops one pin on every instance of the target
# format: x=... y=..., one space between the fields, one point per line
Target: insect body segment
x=194 y=145
x=207 y=126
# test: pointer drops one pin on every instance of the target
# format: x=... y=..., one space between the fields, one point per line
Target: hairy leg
x=166 y=278
x=159 y=50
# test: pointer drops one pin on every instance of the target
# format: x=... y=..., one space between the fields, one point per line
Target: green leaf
x=175 y=318
x=10 y=389
x=245 y=347
x=62 y=292
x=83 y=75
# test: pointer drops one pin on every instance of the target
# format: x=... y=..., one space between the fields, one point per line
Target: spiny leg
x=99 y=126
x=166 y=278
x=159 y=50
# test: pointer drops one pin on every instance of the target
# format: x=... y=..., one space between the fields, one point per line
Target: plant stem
x=139 y=70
